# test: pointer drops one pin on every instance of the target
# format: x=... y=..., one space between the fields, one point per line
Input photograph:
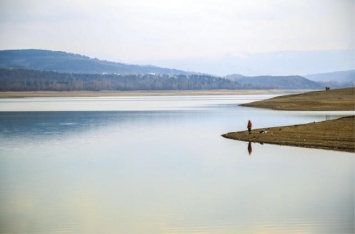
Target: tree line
x=18 y=79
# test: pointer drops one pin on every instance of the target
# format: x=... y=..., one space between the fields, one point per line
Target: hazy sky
x=138 y=30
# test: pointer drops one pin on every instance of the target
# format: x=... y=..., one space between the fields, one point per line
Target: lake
x=159 y=164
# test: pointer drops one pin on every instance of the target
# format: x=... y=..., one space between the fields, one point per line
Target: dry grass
x=332 y=134
x=331 y=100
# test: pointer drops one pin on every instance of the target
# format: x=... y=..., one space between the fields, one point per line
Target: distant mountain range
x=334 y=79
x=46 y=60
x=30 y=62
x=340 y=79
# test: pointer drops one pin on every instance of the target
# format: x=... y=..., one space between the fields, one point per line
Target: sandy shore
x=331 y=100
x=331 y=134
x=140 y=93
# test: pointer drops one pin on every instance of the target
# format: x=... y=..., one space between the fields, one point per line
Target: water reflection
x=45 y=125
x=250 y=149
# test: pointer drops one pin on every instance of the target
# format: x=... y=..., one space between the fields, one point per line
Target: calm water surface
x=159 y=164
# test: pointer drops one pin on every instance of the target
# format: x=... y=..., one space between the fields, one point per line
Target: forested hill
x=18 y=79
x=46 y=60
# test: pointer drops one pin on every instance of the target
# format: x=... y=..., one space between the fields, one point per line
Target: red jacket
x=250 y=124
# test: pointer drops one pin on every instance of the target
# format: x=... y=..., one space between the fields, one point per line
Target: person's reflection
x=250 y=149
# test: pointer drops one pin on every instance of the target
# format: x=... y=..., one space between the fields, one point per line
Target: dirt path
x=336 y=134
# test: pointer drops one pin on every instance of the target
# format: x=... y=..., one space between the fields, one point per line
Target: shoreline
x=29 y=94
x=335 y=135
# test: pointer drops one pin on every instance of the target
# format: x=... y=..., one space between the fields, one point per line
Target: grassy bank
x=331 y=134
x=331 y=100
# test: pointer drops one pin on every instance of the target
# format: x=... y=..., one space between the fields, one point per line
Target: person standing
x=250 y=125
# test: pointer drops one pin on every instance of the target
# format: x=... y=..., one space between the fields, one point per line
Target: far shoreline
x=31 y=94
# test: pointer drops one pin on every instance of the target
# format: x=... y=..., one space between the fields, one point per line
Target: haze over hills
x=277 y=63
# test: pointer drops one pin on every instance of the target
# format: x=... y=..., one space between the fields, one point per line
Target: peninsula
x=328 y=100
x=336 y=134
